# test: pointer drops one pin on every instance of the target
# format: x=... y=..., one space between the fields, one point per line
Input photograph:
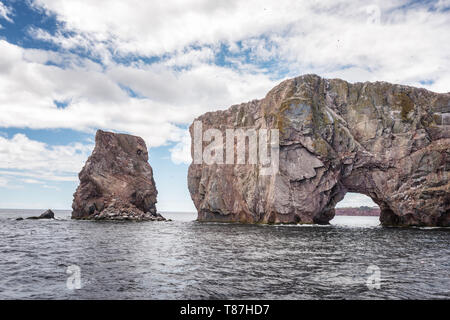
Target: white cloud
x=3 y=182
x=97 y=97
x=191 y=57
x=153 y=28
x=407 y=46
x=36 y=162
x=181 y=152
x=386 y=40
x=442 y=4
x=355 y=200
x=31 y=181
x=5 y=12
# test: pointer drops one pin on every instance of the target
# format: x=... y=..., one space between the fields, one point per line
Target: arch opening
x=356 y=205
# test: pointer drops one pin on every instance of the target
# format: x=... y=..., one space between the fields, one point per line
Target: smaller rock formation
x=116 y=182
x=46 y=215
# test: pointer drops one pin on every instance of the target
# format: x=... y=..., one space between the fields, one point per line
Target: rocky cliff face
x=389 y=142
x=116 y=182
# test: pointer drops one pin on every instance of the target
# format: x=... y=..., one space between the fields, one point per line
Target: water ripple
x=190 y=260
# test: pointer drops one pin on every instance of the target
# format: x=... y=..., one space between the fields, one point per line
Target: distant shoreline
x=361 y=211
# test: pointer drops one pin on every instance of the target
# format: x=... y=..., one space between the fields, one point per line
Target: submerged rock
x=116 y=182
x=390 y=142
x=49 y=214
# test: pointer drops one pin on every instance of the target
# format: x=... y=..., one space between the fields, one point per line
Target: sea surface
x=353 y=258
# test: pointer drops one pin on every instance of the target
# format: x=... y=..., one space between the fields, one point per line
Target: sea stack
x=390 y=142
x=116 y=183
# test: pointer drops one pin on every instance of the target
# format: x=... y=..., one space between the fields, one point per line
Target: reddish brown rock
x=116 y=182
x=390 y=142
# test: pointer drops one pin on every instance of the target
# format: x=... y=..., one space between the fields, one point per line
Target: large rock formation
x=389 y=142
x=116 y=182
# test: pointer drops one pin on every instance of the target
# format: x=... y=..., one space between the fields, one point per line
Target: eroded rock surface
x=116 y=182
x=389 y=142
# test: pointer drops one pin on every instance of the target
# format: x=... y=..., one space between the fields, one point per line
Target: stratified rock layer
x=116 y=182
x=389 y=142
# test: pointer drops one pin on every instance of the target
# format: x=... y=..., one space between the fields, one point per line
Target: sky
x=148 y=68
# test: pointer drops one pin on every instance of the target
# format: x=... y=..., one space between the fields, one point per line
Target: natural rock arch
x=389 y=142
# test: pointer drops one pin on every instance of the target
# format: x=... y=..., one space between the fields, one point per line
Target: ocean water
x=185 y=259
